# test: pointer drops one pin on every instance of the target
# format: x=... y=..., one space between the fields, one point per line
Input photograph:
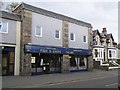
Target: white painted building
x=104 y=48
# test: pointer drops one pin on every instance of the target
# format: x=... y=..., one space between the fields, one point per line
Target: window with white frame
x=85 y=39
x=57 y=34
x=72 y=36
x=101 y=53
x=112 y=53
x=38 y=31
x=3 y=27
x=98 y=53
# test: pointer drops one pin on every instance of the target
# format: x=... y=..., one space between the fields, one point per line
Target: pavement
x=51 y=79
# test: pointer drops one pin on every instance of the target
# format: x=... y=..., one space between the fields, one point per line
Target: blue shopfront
x=46 y=59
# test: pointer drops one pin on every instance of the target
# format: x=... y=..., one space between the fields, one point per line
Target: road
x=92 y=79
x=99 y=82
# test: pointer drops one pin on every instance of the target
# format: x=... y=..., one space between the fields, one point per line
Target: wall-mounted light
x=2 y=47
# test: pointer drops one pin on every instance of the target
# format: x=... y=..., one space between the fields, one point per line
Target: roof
x=108 y=36
x=11 y=16
x=96 y=32
x=52 y=14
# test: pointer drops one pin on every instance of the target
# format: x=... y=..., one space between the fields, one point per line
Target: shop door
x=7 y=63
x=46 y=64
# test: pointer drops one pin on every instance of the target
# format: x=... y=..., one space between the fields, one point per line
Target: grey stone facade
x=26 y=28
x=65 y=43
x=65 y=34
x=90 y=46
x=25 y=39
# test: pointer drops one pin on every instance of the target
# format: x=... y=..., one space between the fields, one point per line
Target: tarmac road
x=86 y=79
x=99 y=82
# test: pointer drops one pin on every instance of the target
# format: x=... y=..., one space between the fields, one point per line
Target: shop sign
x=55 y=50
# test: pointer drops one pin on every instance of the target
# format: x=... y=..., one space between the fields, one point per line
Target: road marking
x=64 y=82
x=111 y=84
x=71 y=81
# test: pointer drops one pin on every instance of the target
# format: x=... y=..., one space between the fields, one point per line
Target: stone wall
x=90 y=47
x=96 y=64
x=26 y=30
x=25 y=39
x=65 y=43
x=65 y=34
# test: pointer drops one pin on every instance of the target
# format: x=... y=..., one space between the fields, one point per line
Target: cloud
x=99 y=14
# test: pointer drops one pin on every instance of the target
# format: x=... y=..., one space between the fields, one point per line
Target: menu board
x=32 y=59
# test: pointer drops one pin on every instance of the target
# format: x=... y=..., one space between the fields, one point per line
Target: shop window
x=38 y=31
x=57 y=34
x=3 y=27
x=73 y=62
x=82 y=63
x=54 y=62
x=78 y=63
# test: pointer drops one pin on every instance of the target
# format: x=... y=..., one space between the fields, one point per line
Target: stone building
x=104 y=49
x=52 y=43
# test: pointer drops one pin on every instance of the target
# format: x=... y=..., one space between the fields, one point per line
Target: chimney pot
x=104 y=30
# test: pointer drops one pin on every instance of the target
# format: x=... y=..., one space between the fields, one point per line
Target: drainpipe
x=107 y=52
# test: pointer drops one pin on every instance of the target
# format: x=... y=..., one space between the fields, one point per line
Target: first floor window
x=72 y=36
x=38 y=31
x=85 y=39
x=57 y=34
x=4 y=27
x=110 y=53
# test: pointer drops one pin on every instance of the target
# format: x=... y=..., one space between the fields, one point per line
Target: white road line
x=72 y=81
x=111 y=84
x=66 y=82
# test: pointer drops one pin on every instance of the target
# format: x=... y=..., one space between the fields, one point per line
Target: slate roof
x=96 y=32
x=107 y=36
x=11 y=16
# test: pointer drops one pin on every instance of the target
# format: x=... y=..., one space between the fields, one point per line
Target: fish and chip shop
x=46 y=59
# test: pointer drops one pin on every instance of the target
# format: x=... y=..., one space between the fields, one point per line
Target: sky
x=102 y=13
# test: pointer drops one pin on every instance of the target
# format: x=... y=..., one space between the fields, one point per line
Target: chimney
x=104 y=31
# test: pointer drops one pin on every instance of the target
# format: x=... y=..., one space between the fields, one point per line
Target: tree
x=12 y=6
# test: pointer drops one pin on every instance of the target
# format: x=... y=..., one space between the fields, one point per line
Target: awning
x=55 y=50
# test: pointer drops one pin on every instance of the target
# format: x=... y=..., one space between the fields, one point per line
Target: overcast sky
x=99 y=13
